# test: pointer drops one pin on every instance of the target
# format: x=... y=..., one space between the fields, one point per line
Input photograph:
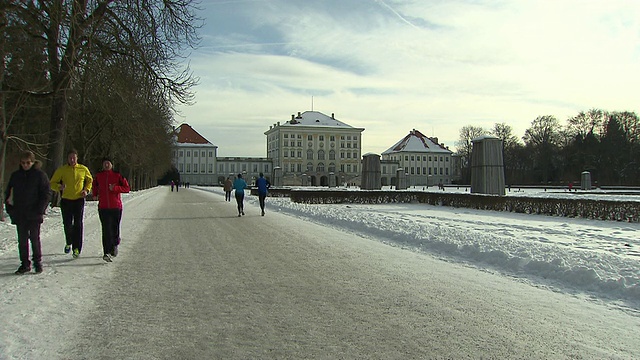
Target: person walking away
x=107 y=187
x=228 y=186
x=239 y=185
x=263 y=186
x=75 y=182
x=26 y=199
x=172 y=185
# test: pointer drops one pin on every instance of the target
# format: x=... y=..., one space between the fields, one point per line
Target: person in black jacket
x=26 y=199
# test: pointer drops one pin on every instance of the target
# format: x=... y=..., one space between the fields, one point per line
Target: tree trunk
x=62 y=74
x=3 y=116
x=57 y=136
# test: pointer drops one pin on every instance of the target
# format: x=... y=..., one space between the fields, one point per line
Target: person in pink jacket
x=107 y=187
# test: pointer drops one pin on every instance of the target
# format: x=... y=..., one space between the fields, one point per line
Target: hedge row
x=584 y=208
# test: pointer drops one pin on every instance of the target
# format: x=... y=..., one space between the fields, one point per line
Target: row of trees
x=101 y=76
x=607 y=144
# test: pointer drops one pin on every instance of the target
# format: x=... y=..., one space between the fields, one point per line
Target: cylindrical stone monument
x=277 y=176
x=371 y=173
x=585 y=180
x=487 y=166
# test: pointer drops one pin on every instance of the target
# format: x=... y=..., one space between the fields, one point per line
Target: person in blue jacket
x=263 y=186
x=239 y=185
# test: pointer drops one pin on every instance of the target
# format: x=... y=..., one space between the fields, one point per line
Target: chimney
x=299 y=114
x=292 y=116
x=278 y=123
x=333 y=116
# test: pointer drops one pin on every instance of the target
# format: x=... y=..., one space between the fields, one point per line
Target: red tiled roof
x=416 y=141
x=187 y=135
x=415 y=133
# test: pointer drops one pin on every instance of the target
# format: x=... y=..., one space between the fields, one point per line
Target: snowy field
x=598 y=260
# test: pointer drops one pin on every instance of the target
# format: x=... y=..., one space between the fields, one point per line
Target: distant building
x=309 y=150
x=388 y=170
x=196 y=160
x=456 y=168
x=194 y=157
x=312 y=147
x=249 y=167
x=424 y=160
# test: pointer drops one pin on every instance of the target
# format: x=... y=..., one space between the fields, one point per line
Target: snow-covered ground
x=592 y=258
x=598 y=261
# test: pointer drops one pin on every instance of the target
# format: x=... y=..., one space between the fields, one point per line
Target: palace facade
x=313 y=149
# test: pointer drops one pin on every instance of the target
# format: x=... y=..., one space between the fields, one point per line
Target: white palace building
x=312 y=149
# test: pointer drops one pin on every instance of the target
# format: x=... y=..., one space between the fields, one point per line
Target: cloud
x=391 y=66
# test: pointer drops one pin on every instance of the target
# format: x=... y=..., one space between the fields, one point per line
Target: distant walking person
x=75 y=181
x=26 y=199
x=228 y=186
x=263 y=186
x=239 y=185
x=107 y=186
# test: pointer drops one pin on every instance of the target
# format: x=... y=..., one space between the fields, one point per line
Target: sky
x=595 y=263
x=393 y=66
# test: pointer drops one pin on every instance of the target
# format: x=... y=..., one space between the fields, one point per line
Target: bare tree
x=505 y=133
x=464 y=146
x=542 y=140
x=585 y=123
x=22 y=80
x=467 y=134
x=152 y=33
x=630 y=123
x=512 y=151
x=543 y=130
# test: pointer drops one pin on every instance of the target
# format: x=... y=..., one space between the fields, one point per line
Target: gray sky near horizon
x=393 y=66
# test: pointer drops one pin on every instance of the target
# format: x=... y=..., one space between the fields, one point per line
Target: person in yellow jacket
x=75 y=181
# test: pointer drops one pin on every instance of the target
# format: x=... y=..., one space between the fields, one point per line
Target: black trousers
x=72 y=218
x=29 y=230
x=227 y=195
x=261 y=198
x=110 y=220
x=240 y=201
